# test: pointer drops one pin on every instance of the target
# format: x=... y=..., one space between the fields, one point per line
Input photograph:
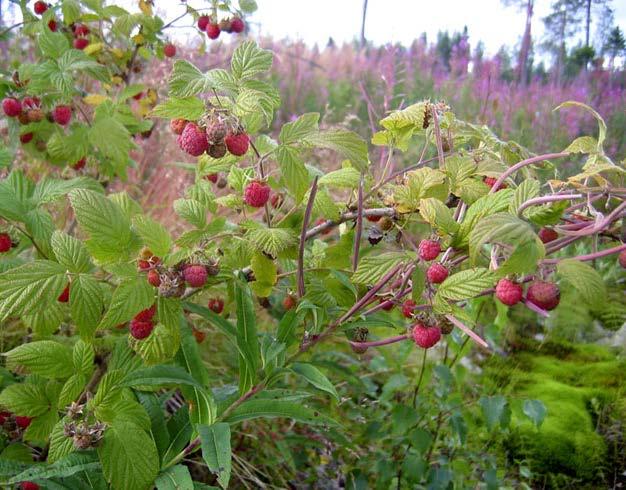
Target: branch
x=588 y=257
x=546 y=199
x=303 y=237
x=348 y=216
x=529 y=161
x=359 y=226
x=378 y=343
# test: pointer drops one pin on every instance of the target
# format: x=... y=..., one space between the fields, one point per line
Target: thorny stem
x=537 y=201
x=592 y=256
x=440 y=156
x=359 y=226
x=305 y=223
x=378 y=343
x=529 y=161
x=421 y=377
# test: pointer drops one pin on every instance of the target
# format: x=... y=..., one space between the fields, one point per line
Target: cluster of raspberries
x=215 y=139
x=213 y=28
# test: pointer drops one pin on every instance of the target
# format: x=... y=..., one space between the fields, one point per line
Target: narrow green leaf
x=216 y=452
x=314 y=376
x=247 y=340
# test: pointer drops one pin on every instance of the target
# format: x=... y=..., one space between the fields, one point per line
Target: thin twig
x=359 y=226
x=303 y=233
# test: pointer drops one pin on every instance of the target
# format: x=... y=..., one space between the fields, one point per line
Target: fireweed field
x=250 y=263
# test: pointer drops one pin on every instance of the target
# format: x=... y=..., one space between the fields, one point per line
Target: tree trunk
x=522 y=62
x=363 y=23
x=587 y=23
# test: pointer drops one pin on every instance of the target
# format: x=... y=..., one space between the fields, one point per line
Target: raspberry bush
x=115 y=308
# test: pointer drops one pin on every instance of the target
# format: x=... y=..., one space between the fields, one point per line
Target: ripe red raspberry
x=177 y=125
x=547 y=235
x=28 y=485
x=62 y=114
x=81 y=43
x=140 y=330
x=138 y=96
x=169 y=50
x=52 y=25
x=407 y=308
x=424 y=336
x=203 y=21
x=80 y=164
x=80 y=30
x=193 y=140
x=31 y=102
x=40 y=7
x=545 y=295
x=437 y=273
x=213 y=31
x=490 y=181
x=5 y=242
x=11 y=107
x=216 y=131
x=22 y=421
x=216 y=305
x=144 y=265
x=387 y=305
x=289 y=302
x=4 y=416
x=199 y=335
x=212 y=177
x=64 y=297
x=146 y=315
x=509 y=292
x=26 y=138
x=373 y=219
x=237 y=144
x=195 y=275
x=237 y=25
x=622 y=259
x=256 y=194
x=429 y=250
x=154 y=278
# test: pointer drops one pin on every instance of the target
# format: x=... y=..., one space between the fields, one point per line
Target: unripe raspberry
x=508 y=292
x=62 y=114
x=40 y=7
x=140 y=330
x=373 y=219
x=445 y=325
x=193 y=140
x=4 y=416
x=407 y=308
x=5 y=242
x=237 y=25
x=80 y=30
x=23 y=118
x=29 y=485
x=199 y=335
x=386 y=223
x=221 y=183
x=622 y=259
x=216 y=305
x=387 y=305
x=11 y=107
x=195 y=275
x=203 y=21
x=218 y=150
x=213 y=31
x=547 y=235
x=22 y=421
x=154 y=278
x=80 y=43
x=64 y=297
x=225 y=25
x=437 y=273
x=80 y=164
x=374 y=235
x=35 y=115
x=169 y=50
x=545 y=295
x=216 y=131
x=256 y=194
x=26 y=138
x=212 y=177
x=424 y=336
x=289 y=302
x=429 y=250
x=177 y=125
x=146 y=315
x=237 y=143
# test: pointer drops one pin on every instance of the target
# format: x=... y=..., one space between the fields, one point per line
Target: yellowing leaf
x=145 y=7
x=138 y=39
x=93 y=48
x=118 y=53
x=95 y=99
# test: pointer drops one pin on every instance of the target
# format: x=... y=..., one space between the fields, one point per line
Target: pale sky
x=314 y=21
